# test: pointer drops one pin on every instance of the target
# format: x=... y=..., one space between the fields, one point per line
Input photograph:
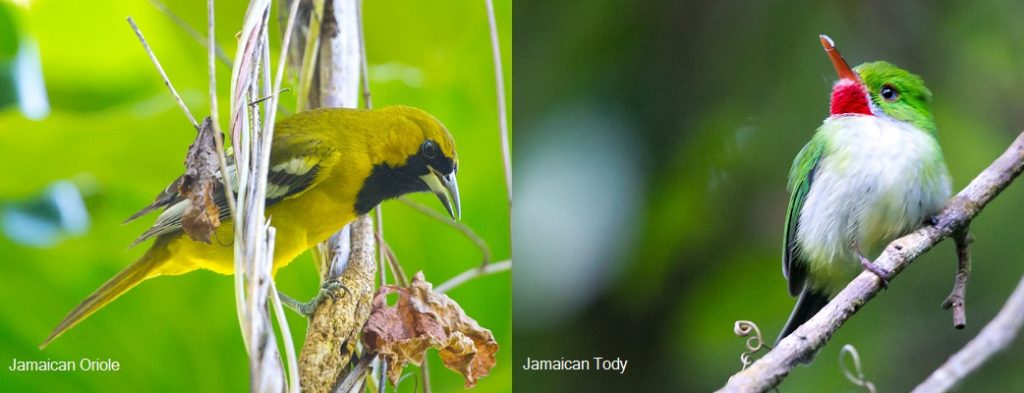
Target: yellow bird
x=327 y=166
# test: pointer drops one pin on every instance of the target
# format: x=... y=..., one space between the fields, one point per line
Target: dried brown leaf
x=202 y=216
x=423 y=319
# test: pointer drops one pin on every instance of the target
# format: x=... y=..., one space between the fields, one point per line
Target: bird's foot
x=932 y=220
x=330 y=289
x=883 y=274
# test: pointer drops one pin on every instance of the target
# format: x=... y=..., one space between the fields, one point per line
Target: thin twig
x=160 y=69
x=769 y=371
x=354 y=376
x=283 y=57
x=381 y=245
x=372 y=379
x=368 y=104
x=257 y=227
x=475 y=272
x=256 y=209
x=379 y=234
x=223 y=57
x=425 y=374
x=382 y=259
x=382 y=385
x=957 y=299
x=286 y=335
x=218 y=136
x=271 y=109
x=309 y=55
x=240 y=132
x=996 y=336
x=261 y=99
x=282 y=323
x=465 y=229
x=396 y=268
x=499 y=79
x=365 y=70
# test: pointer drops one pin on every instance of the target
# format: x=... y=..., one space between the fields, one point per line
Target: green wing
x=295 y=163
x=801 y=176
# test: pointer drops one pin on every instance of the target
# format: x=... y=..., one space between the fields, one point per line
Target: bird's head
x=879 y=89
x=418 y=154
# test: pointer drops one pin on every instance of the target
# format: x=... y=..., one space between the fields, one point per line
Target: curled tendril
x=857 y=375
x=755 y=342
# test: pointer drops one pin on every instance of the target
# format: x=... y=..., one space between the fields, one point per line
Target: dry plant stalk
x=499 y=80
x=348 y=256
x=958 y=297
x=254 y=238
x=337 y=323
x=253 y=257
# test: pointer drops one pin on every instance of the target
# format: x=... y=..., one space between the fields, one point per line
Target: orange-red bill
x=842 y=68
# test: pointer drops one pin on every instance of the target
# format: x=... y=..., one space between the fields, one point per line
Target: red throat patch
x=849 y=97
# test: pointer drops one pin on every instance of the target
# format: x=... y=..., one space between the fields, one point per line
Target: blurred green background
x=114 y=130
x=652 y=146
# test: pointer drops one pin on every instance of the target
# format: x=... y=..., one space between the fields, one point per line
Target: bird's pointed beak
x=446 y=189
x=842 y=68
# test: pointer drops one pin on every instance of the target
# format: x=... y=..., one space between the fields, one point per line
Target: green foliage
x=113 y=119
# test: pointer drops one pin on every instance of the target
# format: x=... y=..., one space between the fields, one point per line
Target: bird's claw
x=330 y=289
x=883 y=274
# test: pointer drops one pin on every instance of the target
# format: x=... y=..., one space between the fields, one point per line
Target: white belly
x=877 y=180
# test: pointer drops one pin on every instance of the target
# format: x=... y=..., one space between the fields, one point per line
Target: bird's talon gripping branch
x=330 y=289
x=883 y=274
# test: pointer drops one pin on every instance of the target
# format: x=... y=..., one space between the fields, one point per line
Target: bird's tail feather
x=808 y=304
x=146 y=267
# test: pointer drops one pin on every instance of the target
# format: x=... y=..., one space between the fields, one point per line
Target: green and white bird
x=871 y=173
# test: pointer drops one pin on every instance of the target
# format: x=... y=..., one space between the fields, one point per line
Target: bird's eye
x=889 y=93
x=429 y=149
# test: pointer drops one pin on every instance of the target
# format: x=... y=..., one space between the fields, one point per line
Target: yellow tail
x=128 y=278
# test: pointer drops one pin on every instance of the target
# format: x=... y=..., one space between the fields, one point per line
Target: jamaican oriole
x=326 y=167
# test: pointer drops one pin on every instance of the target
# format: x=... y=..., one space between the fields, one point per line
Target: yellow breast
x=301 y=223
